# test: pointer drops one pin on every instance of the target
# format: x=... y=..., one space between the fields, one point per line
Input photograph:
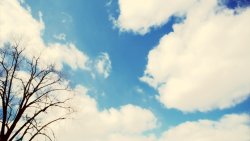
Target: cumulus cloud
x=229 y=128
x=65 y=53
x=130 y=122
x=203 y=64
x=140 y=16
x=103 y=64
x=17 y=23
x=90 y=123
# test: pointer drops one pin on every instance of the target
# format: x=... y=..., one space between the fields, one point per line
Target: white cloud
x=130 y=122
x=60 y=36
x=103 y=65
x=91 y=124
x=16 y=21
x=140 y=16
x=65 y=53
x=229 y=128
x=204 y=63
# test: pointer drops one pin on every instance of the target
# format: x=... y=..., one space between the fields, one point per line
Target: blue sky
x=89 y=27
x=96 y=27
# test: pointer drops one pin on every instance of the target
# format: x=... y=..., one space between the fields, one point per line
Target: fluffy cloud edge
x=90 y=123
x=103 y=64
x=130 y=122
x=142 y=16
x=229 y=128
x=205 y=57
x=19 y=25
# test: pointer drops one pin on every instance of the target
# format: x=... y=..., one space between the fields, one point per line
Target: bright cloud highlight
x=229 y=128
x=111 y=124
x=204 y=63
x=17 y=24
x=140 y=16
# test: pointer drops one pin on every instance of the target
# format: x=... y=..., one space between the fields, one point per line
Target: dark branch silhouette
x=28 y=93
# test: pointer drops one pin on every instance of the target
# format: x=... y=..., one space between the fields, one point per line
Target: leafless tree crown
x=28 y=93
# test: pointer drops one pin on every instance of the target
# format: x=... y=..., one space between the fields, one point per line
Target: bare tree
x=28 y=93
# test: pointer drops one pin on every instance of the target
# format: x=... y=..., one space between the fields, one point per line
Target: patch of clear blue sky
x=86 y=24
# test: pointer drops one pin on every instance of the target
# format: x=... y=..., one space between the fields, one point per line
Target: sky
x=143 y=70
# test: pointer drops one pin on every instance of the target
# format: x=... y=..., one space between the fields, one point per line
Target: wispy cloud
x=61 y=36
x=103 y=65
x=139 y=90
